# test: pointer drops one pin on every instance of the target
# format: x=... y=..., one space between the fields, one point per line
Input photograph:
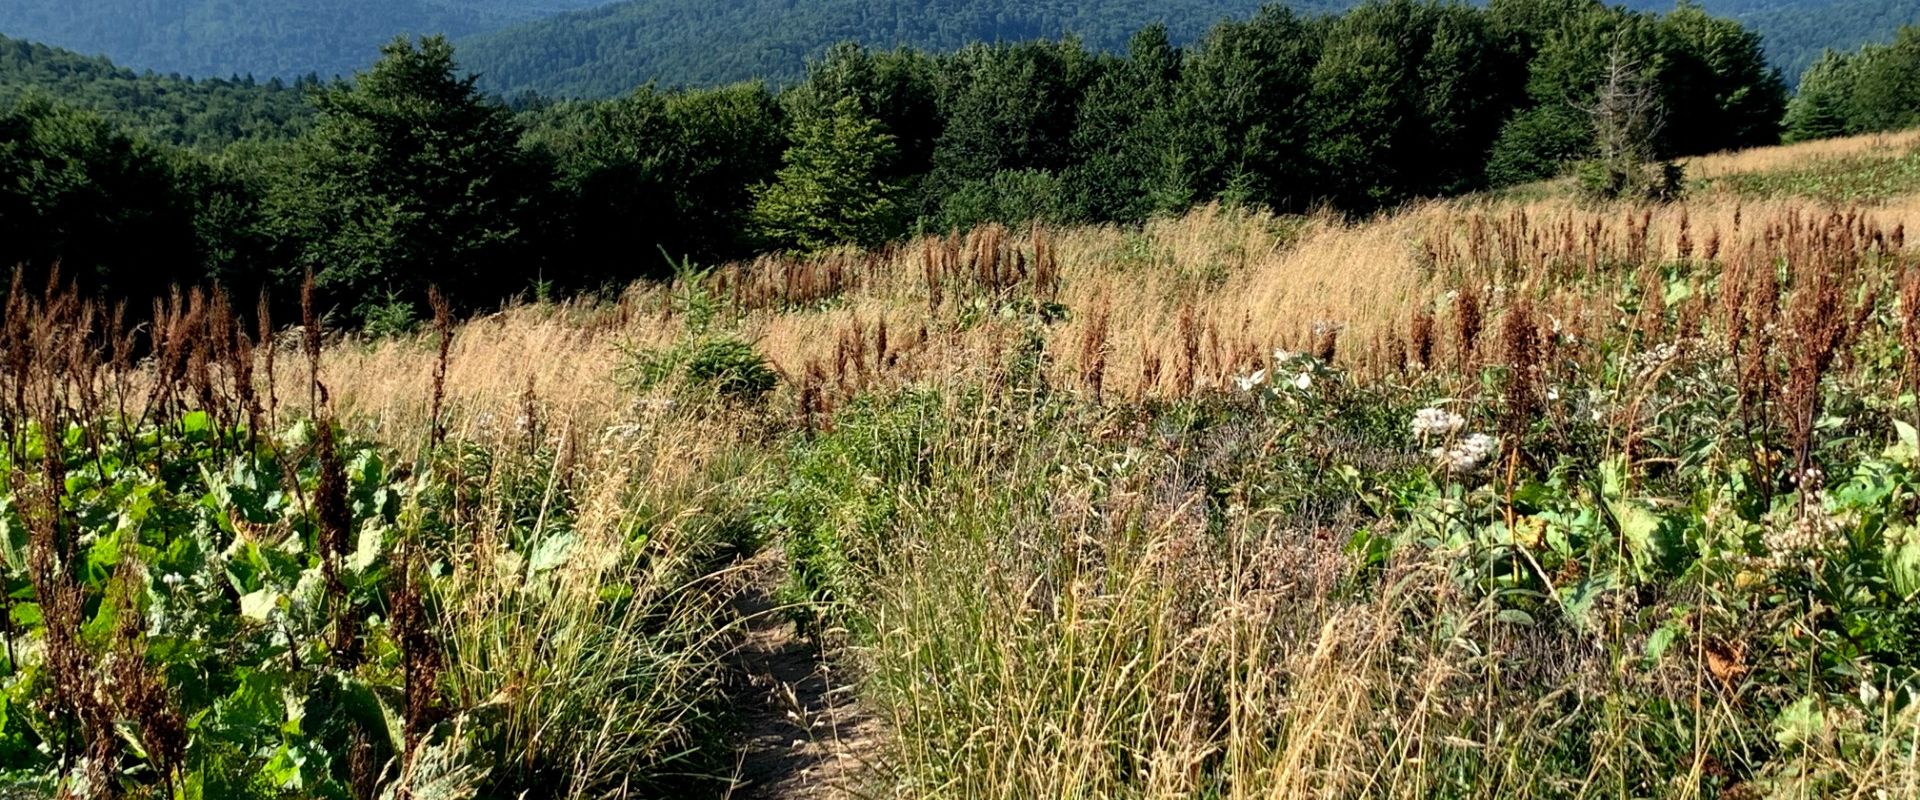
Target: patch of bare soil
x=804 y=735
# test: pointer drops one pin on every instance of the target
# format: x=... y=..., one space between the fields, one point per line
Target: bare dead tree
x=1627 y=117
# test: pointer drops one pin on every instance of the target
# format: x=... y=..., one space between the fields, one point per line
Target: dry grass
x=1120 y=649
x=1803 y=155
x=1248 y=282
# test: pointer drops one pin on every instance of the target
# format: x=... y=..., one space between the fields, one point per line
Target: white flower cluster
x=1468 y=455
x=1646 y=362
x=1436 y=423
x=1465 y=455
x=1283 y=360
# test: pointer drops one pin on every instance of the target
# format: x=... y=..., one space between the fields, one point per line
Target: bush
x=1536 y=144
x=723 y=365
x=1659 y=182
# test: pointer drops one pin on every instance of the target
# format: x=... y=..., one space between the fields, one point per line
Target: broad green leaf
x=1909 y=437
x=551 y=552
x=1661 y=639
x=1578 y=600
x=1903 y=560
x=367 y=551
x=261 y=604
x=1798 y=723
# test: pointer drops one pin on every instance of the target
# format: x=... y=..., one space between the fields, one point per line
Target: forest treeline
x=409 y=176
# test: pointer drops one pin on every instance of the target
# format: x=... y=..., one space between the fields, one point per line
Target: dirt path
x=803 y=734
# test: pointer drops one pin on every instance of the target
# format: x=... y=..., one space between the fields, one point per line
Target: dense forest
x=607 y=50
x=1874 y=89
x=410 y=175
x=263 y=38
x=1797 y=35
x=604 y=48
x=170 y=109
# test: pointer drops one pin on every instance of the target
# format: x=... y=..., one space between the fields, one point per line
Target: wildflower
x=1282 y=355
x=1436 y=423
x=1646 y=362
x=1303 y=381
x=1468 y=455
x=173 y=580
x=1248 y=383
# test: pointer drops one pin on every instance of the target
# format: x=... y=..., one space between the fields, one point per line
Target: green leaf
x=1578 y=601
x=1661 y=639
x=367 y=552
x=13 y=536
x=261 y=604
x=1909 y=437
x=551 y=553
x=1799 y=723
x=1514 y=616
x=1903 y=560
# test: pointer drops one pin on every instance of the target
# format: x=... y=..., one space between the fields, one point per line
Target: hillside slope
x=1796 y=31
x=264 y=38
x=610 y=49
x=184 y=111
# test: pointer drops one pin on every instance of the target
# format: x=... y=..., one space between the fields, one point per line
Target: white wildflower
x=1470 y=454
x=1282 y=355
x=173 y=580
x=1248 y=383
x=1303 y=381
x=1646 y=362
x=1436 y=423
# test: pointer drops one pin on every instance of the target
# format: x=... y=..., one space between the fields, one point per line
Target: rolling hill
x=185 y=111
x=610 y=49
x=598 y=48
x=264 y=38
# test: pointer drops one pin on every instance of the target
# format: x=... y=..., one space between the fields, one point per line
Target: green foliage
x=237 y=626
x=411 y=179
x=591 y=53
x=107 y=206
x=1658 y=181
x=1823 y=106
x=1886 y=84
x=182 y=111
x=1865 y=92
x=656 y=171
x=1129 y=165
x=718 y=365
x=1012 y=197
x=267 y=38
x=1537 y=144
x=1242 y=112
x=831 y=190
x=1848 y=180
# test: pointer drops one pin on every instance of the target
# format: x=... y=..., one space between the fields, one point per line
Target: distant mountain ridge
x=610 y=49
x=600 y=48
x=263 y=38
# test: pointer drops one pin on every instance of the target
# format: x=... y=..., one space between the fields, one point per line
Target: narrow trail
x=804 y=735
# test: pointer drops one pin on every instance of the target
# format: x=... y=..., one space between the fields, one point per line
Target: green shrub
x=722 y=365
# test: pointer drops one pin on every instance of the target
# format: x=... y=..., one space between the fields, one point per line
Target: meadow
x=1510 y=495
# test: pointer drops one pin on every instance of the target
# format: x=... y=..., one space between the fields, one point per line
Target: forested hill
x=263 y=38
x=182 y=111
x=609 y=50
x=1797 y=31
x=607 y=47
